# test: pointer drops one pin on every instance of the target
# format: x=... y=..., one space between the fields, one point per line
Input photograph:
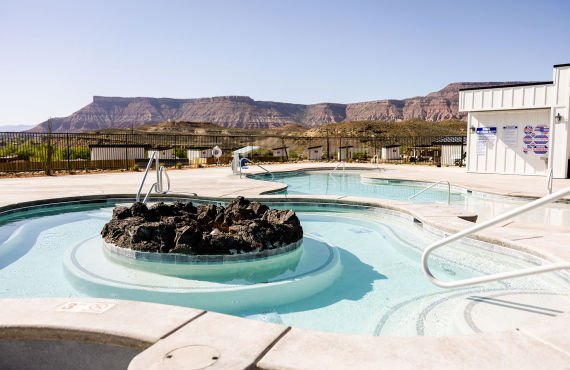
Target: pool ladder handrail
x=252 y=162
x=335 y=168
x=158 y=185
x=431 y=186
x=500 y=276
x=549 y=181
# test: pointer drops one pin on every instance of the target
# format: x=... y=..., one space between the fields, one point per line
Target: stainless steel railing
x=500 y=276
x=335 y=168
x=252 y=162
x=431 y=186
x=158 y=185
x=549 y=181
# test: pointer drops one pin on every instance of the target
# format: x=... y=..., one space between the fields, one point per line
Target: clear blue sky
x=55 y=55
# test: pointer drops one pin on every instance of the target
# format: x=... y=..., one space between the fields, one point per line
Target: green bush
x=360 y=156
x=261 y=153
x=77 y=152
x=180 y=153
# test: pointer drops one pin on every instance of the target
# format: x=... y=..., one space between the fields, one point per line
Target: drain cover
x=190 y=358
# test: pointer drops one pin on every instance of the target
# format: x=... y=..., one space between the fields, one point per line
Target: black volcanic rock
x=242 y=226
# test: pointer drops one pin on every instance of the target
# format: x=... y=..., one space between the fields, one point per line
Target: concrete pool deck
x=243 y=343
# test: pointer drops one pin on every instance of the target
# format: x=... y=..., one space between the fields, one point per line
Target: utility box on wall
x=519 y=129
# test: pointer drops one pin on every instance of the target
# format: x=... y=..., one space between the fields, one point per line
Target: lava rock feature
x=206 y=229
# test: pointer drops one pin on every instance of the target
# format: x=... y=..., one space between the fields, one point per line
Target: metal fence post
x=68 y=151
x=126 y=152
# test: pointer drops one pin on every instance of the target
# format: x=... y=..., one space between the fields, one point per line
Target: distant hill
x=407 y=128
x=15 y=128
x=380 y=129
x=244 y=112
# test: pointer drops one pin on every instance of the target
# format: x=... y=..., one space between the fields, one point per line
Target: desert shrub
x=180 y=153
x=77 y=152
x=360 y=156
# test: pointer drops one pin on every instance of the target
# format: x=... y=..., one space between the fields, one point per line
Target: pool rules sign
x=485 y=135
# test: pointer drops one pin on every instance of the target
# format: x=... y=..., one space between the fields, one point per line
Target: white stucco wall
x=521 y=106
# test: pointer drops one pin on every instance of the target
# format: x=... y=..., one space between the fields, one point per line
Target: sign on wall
x=484 y=135
x=510 y=136
x=535 y=139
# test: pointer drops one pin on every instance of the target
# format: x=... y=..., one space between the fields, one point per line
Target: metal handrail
x=549 y=181
x=500 y=276
x=158 y=185
x=431 y=186
x=334 y=169
x=252 y=162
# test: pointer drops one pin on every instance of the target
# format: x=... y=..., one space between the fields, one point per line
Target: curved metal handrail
x=334 y=169
x=549 y=181
x=252 y=162
x=158 y=185
x=431 y=186
x=138 y=198
x=500 y=276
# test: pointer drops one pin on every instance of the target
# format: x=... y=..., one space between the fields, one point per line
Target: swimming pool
x=351 y=183
x=360 y=269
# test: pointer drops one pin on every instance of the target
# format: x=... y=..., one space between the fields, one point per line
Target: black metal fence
x=21 y=151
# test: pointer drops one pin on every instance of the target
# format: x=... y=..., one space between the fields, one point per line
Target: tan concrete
x=306 y=349
x=231 y=342
x=125 y=323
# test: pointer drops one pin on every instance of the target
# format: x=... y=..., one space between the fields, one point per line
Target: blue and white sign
x=484 y=135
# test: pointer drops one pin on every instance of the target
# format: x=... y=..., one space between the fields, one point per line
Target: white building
x=280 y=152
x=345 y=152
x=315 y=153
x=452 y=150
x=195 y=153
x=162 y=153
x=116 y=152
x=519 y=129
x=391 y=152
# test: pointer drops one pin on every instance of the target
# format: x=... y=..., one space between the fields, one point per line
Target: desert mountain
x=244 y=112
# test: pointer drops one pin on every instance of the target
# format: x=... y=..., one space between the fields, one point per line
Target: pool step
x=470 y=311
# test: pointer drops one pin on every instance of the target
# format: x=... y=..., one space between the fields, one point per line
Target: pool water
x=372 y=284
x=350 y=183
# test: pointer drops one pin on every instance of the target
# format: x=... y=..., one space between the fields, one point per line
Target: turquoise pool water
x=359 y=271
x=322 y=183
x=352 y=184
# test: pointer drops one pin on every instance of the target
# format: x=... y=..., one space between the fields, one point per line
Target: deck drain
x=192 y=357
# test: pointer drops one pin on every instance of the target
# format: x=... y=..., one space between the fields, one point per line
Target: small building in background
x=199 y=152
x=315 y=153
x=423 y=153
x=453 y=150
x=391 y=152
x=163 y=153
x=110 y=152
x=345 y=152
x=282 y=152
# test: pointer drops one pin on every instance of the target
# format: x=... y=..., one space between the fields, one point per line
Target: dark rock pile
x=242 y=226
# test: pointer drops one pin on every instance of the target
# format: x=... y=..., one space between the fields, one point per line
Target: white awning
x=246 y=149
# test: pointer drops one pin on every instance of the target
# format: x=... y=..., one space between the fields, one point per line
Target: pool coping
x=540 y=343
